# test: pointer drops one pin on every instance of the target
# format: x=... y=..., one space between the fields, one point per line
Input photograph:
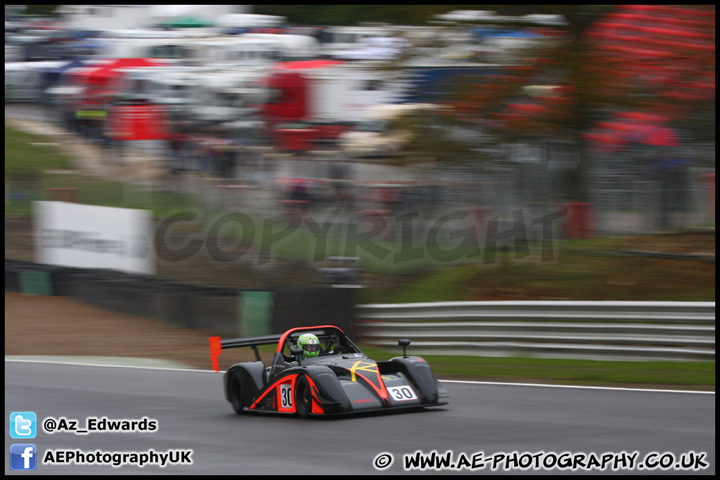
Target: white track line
x=467 y=382
x=587 y=387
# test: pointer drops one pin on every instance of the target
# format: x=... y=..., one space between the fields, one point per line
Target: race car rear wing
x=217 y=345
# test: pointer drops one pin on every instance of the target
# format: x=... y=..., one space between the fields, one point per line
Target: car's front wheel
x=303 y=397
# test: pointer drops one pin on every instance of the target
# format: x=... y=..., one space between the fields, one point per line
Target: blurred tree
x=601 y=60
x=659 y=59
x=544 y=94
x=533 y=96
x=654 y=77
x=40 y=9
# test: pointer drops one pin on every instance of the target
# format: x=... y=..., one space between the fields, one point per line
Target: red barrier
x=138 y=122
x=709 y=179
x=579 y=222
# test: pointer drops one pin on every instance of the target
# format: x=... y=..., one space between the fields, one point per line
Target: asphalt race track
x=192 y=414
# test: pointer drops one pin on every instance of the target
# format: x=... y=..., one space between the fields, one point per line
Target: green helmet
x=310 y=345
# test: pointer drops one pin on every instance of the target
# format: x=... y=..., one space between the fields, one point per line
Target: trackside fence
x=605 y=330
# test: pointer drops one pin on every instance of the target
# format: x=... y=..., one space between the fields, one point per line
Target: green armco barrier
x=255 y=313
x=35 y=283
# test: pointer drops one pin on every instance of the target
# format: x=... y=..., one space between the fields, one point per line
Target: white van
x=381 y=134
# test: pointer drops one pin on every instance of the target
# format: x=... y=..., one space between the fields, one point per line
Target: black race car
x=340 y=379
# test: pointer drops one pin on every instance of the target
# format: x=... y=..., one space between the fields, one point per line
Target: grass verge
x=641 y=374
x=30 y=154
x=675 y=375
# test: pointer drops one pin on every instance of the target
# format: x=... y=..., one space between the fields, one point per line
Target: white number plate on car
x=402 y=393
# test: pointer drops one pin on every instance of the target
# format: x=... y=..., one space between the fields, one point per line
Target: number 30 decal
x=402 y=394
x=286 y=400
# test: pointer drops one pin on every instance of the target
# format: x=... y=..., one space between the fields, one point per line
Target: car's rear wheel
x=235 y=393
x=303 y=397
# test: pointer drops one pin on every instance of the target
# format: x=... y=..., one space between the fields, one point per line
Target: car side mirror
x=404 y=342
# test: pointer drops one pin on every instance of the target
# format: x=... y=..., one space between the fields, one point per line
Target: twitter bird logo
x=23 y=425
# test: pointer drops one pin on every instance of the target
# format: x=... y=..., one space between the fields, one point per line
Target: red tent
x=102 y=75
x=132 y=122
x=306 y=64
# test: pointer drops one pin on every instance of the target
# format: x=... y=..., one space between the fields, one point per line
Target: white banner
x=88 y=236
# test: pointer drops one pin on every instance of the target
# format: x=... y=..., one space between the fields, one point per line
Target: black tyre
x=235 y=393
x=303 y=397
